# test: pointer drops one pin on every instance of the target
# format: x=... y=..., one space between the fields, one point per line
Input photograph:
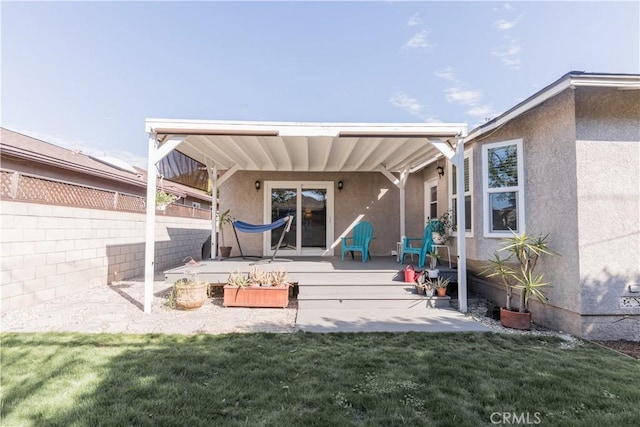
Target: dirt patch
x=631 y=348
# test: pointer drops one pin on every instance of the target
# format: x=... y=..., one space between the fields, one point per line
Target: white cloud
x=414 y=20
x=411 y=105
x=419 y=40
x=509 y=55
x=503 y=24
x=483 y=111
x=462 y=96
x=447 y=74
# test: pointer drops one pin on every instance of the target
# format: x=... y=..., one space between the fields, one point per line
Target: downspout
x=150 y=243
x=462 y=244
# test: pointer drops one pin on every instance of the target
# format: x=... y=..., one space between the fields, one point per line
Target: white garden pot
x=433 y=274
x=438 y=238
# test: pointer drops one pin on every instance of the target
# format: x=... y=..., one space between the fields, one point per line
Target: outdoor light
x=257 y=185
x=340 y=185
x=440 y=170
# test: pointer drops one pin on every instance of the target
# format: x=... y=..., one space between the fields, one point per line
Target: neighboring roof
x=309 y=147
x=21 y=146
x=571 y=79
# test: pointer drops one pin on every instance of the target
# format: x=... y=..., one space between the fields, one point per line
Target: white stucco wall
x=51 y=251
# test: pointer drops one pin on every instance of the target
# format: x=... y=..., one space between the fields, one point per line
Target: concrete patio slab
x=386 y=320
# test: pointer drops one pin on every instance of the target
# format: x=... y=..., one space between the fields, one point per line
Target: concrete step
x=418 y=302
x=359 y=291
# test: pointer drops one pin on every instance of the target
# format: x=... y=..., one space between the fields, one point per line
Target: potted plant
x=441 y=226
x=188 y=294
x=517 y=271
x=164 y=199
x=429 y=290
x=433 y=271
x=224 y=218
x=440 y=285
x=257 y=289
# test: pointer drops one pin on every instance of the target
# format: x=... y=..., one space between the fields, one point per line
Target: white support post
x=462 y=244
x=213 y=175
x=403 y=220
x=149 y=249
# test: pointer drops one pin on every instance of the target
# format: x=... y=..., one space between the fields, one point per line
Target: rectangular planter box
x=256 y=296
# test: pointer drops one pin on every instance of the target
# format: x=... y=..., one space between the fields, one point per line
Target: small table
x=436 y=247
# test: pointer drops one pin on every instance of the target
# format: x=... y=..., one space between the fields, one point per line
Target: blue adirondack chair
x=359 y=241
x=426 y=241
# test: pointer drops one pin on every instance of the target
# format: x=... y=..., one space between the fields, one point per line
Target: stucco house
x=574 y=149
x=577 y=145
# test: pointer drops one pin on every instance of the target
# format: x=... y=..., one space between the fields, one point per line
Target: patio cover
x=393 y=149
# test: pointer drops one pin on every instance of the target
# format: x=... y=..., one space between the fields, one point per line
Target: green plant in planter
x=224 y=218
x=238 y=279
x=442 y=225
x=440 y=283
x=279 y=277
x=188 y=293
x=434 y=256
x=258 y=277
x=517 y=270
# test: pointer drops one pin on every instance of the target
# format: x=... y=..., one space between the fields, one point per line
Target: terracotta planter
x=515 y=319
x=190 y=296
x=225 y=251
x=256 y=296
x=442 y=292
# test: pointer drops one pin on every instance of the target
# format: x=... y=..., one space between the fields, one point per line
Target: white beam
x=443 y=147
x=391 y=177
x=462 y=243
x=150 y=244
x=228 y=174
x=167 y=147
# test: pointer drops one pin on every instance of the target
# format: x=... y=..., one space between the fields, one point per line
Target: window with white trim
x=503 y=188
x=453 y=193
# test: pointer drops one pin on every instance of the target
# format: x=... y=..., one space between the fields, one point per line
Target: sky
x=86 y=75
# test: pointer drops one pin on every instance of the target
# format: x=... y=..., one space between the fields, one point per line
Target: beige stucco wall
x=608 y=160
x=368 y=194
x=581 y=156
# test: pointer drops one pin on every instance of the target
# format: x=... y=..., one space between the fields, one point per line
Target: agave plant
x=279 y=277
x=238 y=279
x=517 y=270
x=258 y=277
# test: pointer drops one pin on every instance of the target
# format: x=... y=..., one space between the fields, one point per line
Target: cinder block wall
x=50 y=251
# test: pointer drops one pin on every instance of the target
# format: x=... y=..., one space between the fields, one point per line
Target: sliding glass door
x=311 y=203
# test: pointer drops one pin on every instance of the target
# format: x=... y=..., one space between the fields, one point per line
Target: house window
x=430 y=200
x=503 y=186
x=453 y=193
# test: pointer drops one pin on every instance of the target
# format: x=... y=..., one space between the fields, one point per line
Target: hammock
x=245 y=227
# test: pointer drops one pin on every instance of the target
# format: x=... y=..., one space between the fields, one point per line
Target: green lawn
x=380 y=379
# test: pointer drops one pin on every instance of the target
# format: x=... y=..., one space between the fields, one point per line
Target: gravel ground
x=119 y=308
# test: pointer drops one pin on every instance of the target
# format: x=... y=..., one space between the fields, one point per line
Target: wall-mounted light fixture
x=340 y=185
x=440 y=171
x=257 y=184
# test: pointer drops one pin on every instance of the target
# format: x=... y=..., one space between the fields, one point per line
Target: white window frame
x=299 y=186
x=486 y=191
x=427 y=198
x=468 y=154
